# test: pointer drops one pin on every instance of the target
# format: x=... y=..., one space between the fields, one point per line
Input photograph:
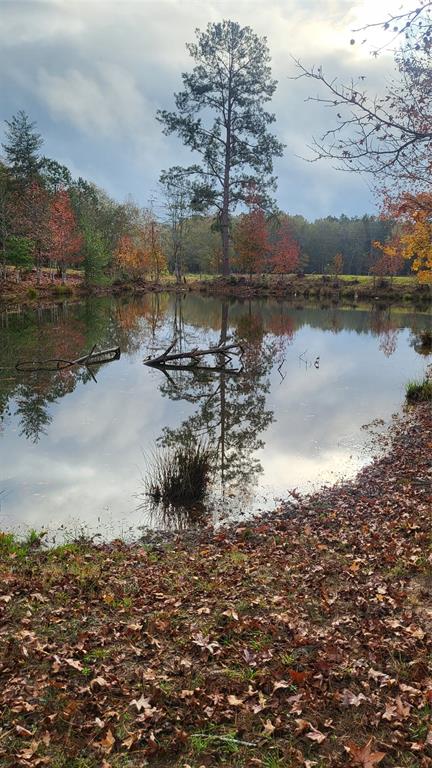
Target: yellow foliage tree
x=414 y=240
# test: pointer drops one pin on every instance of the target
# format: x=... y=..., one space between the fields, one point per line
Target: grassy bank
x=301 y=640
x=346 y=288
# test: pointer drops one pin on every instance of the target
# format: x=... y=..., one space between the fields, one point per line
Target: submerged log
x=59 y=364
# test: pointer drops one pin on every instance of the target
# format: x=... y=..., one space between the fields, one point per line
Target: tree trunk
x=225 y=242
x=226 y=191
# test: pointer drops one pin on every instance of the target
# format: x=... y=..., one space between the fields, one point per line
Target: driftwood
x=60 y=364
x=173 y=360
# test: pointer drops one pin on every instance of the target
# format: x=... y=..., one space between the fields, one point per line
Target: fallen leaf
x=350 y=699
x=107 y=742
x=363 y=755
x=233 y=701
x=315 y=735
x=268 y=728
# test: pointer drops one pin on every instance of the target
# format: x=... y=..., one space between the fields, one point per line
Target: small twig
x=229 y=739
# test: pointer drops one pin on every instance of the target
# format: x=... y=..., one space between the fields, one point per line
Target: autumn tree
x=336 y=265
x=251 y=241
x=285 y=251
x=66 y=240
x=132 y=254
x=153 y=246
x=413 y=240
x=220 y=115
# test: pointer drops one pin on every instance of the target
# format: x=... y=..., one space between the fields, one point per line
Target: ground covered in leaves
x=301 y=640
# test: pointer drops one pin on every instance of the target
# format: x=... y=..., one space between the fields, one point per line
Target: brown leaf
x=75 y=664
x=107 y=742
x=142 y=703
x=315 y=735
x=268 y=728
x=302 y=725
x=363 y=755
x=349 y=698
x=233 y=701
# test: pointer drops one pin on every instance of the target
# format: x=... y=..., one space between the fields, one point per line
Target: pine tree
x=22 y=147
x=220 y=115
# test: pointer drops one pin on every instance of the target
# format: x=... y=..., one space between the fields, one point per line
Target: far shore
x=344 y=288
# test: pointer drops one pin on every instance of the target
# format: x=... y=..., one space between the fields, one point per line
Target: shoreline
x=297 y=638
x=309 y=287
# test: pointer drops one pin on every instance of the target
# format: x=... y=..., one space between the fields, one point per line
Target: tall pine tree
x=220 y=115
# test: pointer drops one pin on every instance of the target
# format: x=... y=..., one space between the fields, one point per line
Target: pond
x=76 y=446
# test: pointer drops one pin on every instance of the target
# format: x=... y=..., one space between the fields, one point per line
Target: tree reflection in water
x=230 y=415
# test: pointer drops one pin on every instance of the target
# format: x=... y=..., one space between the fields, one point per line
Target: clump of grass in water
x=425 y=339
x=419 y=391
x=180 y=475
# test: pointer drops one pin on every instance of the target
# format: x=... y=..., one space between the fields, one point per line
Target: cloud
x=107 y=103
x=93 y=75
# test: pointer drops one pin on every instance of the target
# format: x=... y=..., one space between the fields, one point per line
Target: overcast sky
x=92 y=73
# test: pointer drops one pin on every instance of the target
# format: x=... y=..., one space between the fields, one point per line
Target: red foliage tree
x=66 y=241
x=251 y=241
x=285 y=252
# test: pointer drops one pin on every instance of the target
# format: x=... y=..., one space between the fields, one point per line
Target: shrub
x=62 y=290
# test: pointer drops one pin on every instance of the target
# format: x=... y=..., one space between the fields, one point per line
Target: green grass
x=20 y=548
x=419 y=391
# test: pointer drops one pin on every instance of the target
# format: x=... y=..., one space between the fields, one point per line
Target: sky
x=93 y=73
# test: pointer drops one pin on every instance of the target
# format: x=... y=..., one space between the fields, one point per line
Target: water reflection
x=72 y=448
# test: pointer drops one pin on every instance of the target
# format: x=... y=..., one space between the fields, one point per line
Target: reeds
x=179 y=476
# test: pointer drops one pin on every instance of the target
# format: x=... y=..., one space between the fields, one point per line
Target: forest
x=48 y=219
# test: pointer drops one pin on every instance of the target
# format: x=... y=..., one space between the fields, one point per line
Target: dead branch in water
x=60 y=364
x=172 y=360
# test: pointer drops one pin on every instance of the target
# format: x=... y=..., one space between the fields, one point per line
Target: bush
x=62 y=290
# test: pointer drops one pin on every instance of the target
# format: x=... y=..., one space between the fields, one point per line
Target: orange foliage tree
x=285 y=252
x=65 y=238
x=140 y=252
x=251 y=241
x=132 y=255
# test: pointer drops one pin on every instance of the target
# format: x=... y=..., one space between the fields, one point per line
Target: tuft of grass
x=180 y=476
x=62 y=290
x=10 y=545
x=425 y=342
x=419 y=391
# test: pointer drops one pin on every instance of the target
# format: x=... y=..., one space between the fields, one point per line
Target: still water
x=75 y=449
